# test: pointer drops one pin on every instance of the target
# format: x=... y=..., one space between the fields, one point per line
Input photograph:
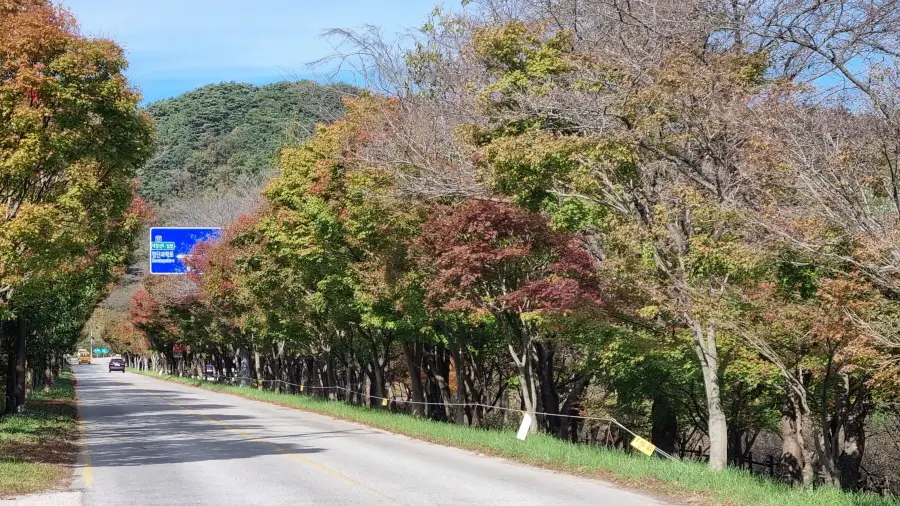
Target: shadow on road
x=130 y=426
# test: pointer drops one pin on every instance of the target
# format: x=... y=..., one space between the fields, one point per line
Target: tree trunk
x=808 y=434
x=826 y=437
x=664 y=431
x=348 y=394
x=825 y=457
x=793 y=454
x=10 y=374
x=853 y=442
x=376 y=382
x=20 y=365
x=9 y=345
x=171 y=362
x=705 y=347
x=273 y=370
x=291 y=371
x=459 y=367
x=851 y=456
x=283 y=368
x=54 y=366
x=526 y=380
x=735 y=446
x=243 y=358
x=310 y=371
x=570 y=426
x=48 y=374
x=549 y=394
x=439 y=370
x=413 y=355
x=29 y=380
x=476 y=396
x=35 y=378
x=257 y=368
x=330 y=379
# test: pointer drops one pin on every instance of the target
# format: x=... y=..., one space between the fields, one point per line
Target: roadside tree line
x=683 y=214
x=71 y=137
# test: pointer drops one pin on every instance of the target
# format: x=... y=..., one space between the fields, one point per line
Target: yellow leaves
x=38 y=242
x=503 y=47
x=296 y=162
x=18 y=164
x=522 y=57
x=686 y=71
x=34 y=221
x=649 y=312
x=691 y=95
x=749 y=68
x=310 y=166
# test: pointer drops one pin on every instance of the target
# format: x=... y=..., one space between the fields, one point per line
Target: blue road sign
x=170 y=245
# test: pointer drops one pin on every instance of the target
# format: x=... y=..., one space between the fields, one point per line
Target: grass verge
x=38 y=447
x=685 y=482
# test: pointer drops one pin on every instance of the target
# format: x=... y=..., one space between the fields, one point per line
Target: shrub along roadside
x=38 y=447
x=684 y=480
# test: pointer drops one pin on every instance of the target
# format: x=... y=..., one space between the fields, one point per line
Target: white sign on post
x=523 y=428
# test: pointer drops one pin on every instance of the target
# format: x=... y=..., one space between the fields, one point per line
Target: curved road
x=151 y=442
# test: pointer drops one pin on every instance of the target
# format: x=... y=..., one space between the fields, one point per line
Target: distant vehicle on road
x=84 y=356
x=117 y=364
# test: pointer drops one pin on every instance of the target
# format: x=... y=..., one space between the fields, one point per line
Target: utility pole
x=92 y=344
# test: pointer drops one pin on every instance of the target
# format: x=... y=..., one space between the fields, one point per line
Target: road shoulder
x=38 y=448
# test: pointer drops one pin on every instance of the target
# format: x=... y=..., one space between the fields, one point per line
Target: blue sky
x=177 y=45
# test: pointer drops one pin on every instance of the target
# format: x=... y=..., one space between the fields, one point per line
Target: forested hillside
x=225 y=134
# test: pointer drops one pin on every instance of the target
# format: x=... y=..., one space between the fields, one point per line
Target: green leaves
x=228 y=134
x=528 y=165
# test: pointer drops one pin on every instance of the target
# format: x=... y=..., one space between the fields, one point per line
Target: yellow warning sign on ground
x=643 y=446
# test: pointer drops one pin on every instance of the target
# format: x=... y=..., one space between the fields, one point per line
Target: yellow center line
x=277 y=447
x=87 y=471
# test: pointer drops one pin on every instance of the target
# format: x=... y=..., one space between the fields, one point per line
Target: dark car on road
x=117 y=364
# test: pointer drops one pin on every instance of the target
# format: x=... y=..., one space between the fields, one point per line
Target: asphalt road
x=151 y=442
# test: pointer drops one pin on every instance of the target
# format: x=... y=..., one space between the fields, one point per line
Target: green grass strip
x=37 y=447
x=689 y=481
